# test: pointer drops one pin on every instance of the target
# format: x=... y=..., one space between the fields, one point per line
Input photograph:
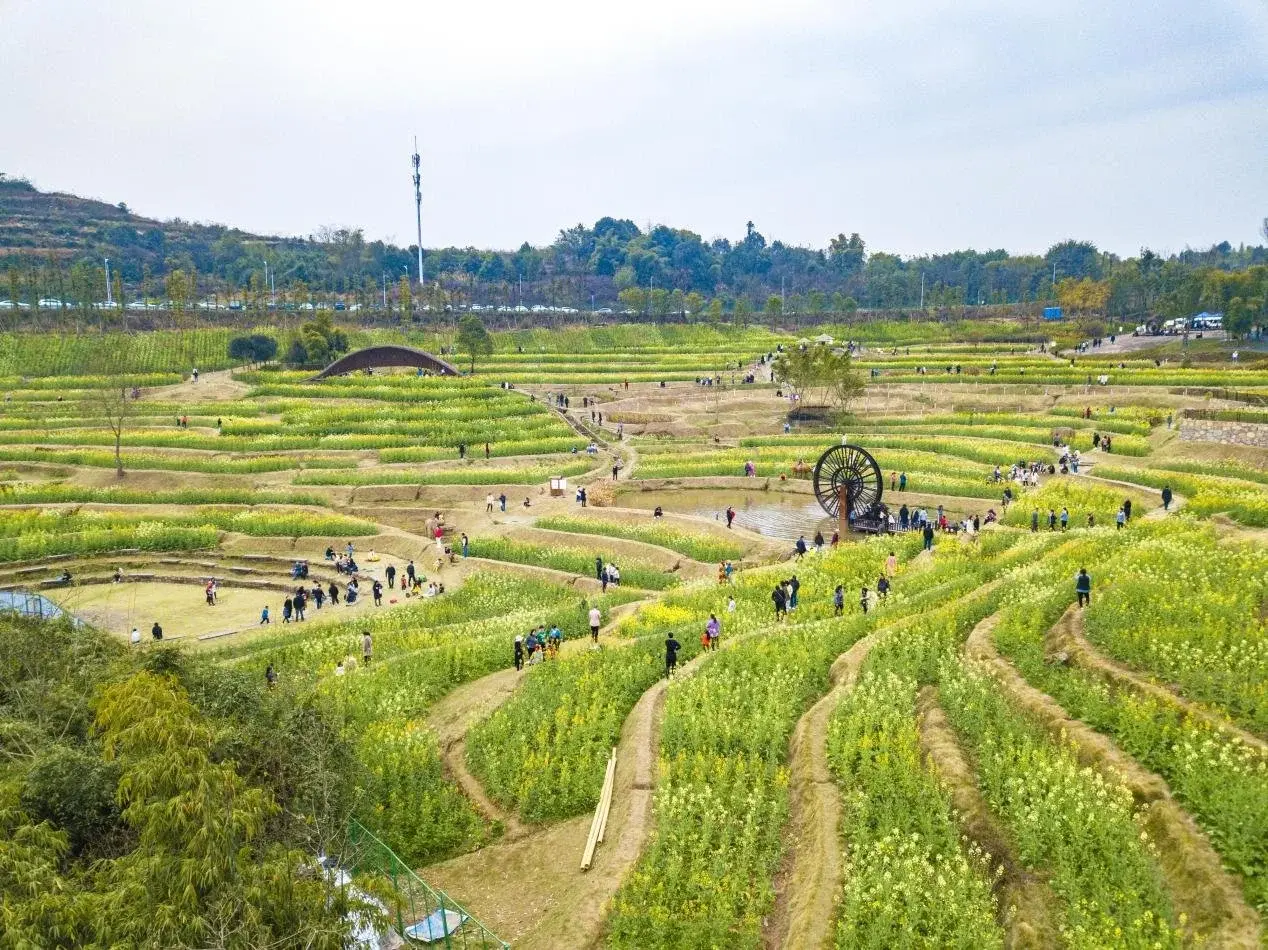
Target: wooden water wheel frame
x=854 y=469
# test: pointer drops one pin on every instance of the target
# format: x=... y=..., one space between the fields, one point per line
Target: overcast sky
x=924 y=125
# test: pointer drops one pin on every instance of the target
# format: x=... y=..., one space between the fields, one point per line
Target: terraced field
x=972 y=760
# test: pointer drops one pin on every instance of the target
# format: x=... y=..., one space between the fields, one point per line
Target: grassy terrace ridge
x=700 y=546
x=848 y=778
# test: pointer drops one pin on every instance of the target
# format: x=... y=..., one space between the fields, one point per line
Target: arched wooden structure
x=372 y=356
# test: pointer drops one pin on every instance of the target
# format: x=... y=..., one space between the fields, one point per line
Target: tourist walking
x=156 y=631
x=794 y=588
x=488 y=502
x=863 y=598
x=1034 y=520
x=672 y=647
x=409 y=573
x=466 y=543
x=288 y=607
x=1127 y=509
x=1052 y=520
x=800 y=547
x=367 y=647
x=391 y=579
x=333 y=591
x=1083 y=587
x=927 y=534
x=264 y=616
x=882 y=588
x=519 y=652
x=780 y=600
x=1166 y=497
x=596 y=618
x=377 y=591
x=891 y=564
x=713 y=632
x=838 y=600
x=1065 y=518
x=1120 y=519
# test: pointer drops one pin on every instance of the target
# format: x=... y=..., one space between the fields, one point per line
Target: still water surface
x=774 y=514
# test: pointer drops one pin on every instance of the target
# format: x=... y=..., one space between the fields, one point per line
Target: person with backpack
x=377 y=591
x=882 y=588
x=800 y=547
x=838 y=600
x=1083 y=587
x=781 y=601
x=927 y=534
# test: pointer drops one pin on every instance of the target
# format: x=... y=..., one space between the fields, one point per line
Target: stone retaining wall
x=1227 y=433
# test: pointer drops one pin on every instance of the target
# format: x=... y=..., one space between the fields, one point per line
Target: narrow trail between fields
x=1027 y=906
x=1067 y=637
x=1194 y=876
x=452 y=717
x=1177 y=500
x=529 y=889
x=806 y=887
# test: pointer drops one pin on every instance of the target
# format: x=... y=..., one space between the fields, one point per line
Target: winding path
x=529 y=888
x=807 y=886
x=1027 y=906
x=1196 y=879
x=1067 y=636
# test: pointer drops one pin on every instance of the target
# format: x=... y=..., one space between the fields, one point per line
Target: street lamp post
x=109 y=299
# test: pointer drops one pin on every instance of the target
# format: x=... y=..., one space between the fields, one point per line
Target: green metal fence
x=423 y=915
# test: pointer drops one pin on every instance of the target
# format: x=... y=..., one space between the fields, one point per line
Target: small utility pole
x=109 y=299
x=418 y=209
x=922 y=290
x=385 y=290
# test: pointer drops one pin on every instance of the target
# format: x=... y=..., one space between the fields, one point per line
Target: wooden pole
x=843 y=510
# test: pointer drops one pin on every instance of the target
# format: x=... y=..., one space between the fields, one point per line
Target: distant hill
x=52 y=245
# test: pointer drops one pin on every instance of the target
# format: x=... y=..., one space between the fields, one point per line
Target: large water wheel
x=851 y=468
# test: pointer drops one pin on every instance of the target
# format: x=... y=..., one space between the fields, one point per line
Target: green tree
x=774 y=309
x=406 y=298
x=473 y=338
x=820 y=376
x=633 y=299
x=116 y=408
x=177 y=287
x=694 y=303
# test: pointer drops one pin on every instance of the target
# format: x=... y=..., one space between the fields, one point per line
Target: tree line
x=613 y=264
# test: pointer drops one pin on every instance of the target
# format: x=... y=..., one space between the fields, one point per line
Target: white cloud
x=925 y=125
